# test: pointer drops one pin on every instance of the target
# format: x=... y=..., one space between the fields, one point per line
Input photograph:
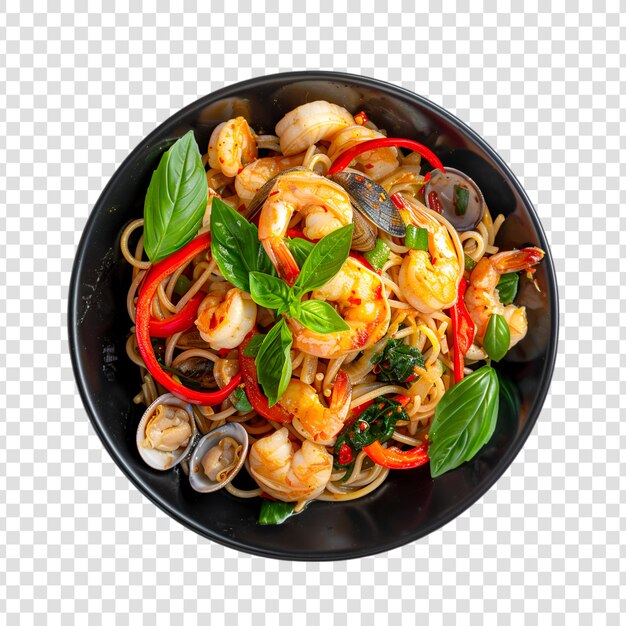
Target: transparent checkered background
x=79 y=90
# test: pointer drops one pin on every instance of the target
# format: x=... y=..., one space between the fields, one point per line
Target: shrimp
x=225 y=317
x=288 y=472
x=324 y=204
x=232 y=145
x=429 y=278
x=375 y=163
x=360 y=299
x=482 y=298
x=310 y=417
x=310 y=123
x=257 y=173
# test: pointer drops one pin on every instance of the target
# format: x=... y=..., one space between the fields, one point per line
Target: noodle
x=429 y=333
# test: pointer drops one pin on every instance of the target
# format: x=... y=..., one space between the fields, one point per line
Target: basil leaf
x=273 y=513
x=176 y=200
x=254 y=345
x=239 y=400
x=507 y=287
x=300 y=248
x=321 y=317
x=465 y=419
x=325 y=260
x=268 y=291
x=273 y=362
x=235 y=245
x=397 y=362
x=497 y=337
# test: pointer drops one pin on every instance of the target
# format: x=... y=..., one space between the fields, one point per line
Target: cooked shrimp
x=310 y=417
x=224 y=319
x=310 y=123
x=482 y=297
x=232 y=145
x=324 y=204
x=360 y=299
x=257 y=173
x=288 y=472
x=375 y=163
x=429 y=278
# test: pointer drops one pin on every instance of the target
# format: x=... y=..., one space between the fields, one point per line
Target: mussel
x=218 y=457
x=370 y=199
x=457 y=197
x=166 y=432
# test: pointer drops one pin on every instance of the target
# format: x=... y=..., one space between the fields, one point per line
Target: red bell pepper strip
x=394 y=458
x=344 y=159
x=179 y=322
x=462 y=331
x=259 y=402
x=155 y=275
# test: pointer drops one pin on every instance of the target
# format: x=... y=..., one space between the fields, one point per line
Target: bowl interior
x=409 y=505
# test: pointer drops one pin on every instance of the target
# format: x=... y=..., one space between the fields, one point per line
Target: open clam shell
x=197 y=476
x=158 y=459
x=443 y=184
x=372 y=200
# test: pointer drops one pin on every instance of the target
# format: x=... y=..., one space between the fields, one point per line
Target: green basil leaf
x=300 y=248
x=176 y=200
x=273 y=513
x=325 y=260
x=235 y=245
x=507 y=287
x=321 y=317
x=464 y=421
x=497 y=337
x=268 y=291
x=254 y=345
x=239 y=400
x=273 y=362
x=397 y=362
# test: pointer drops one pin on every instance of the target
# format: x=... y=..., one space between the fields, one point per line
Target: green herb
x=325 y=260
x=470 y=264
x=235 y=245
x=321 y=317
x=176 y=200
x=379 y=255
x=254 y=345
x=300 y=249
x=465 y=419
x=269 y=291
x=182 y=285
x=378 y=421
x=507 y=287
x=416 y=238
x=240 y=400
x=273 y=362
x=461 y=199
x=274 y=513
x=398 y=362
x=497 y=337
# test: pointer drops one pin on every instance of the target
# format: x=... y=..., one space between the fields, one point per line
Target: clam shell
x=197 y=478
x=157 y=459
x=363 y=236
x=372 y=200
x=443 y=184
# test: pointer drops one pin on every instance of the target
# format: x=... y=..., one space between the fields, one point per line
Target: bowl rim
x=277 y=553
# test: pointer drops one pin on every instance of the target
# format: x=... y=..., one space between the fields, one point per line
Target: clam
x=261 y=195
x=447 y=186
x=166 y=432
x=370 y=199
x=218 y=457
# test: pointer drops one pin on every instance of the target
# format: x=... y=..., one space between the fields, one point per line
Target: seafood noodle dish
x=313 y=309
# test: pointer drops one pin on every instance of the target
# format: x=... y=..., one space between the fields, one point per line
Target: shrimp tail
x=517 y=260
x=342 y=395
x=282 y=259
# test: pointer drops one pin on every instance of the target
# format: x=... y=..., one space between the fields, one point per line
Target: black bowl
x=409 y=505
